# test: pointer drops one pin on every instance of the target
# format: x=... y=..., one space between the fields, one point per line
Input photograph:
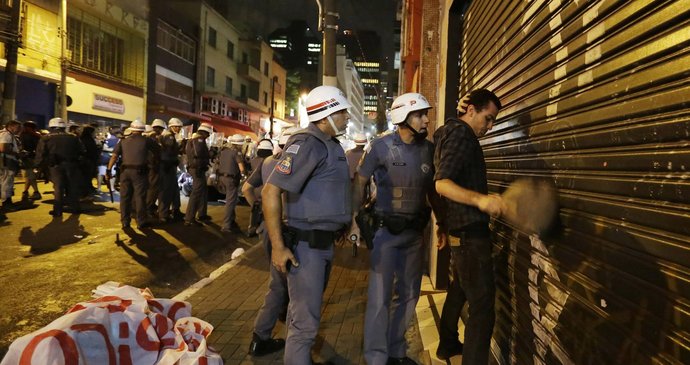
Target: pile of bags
x=122 y=325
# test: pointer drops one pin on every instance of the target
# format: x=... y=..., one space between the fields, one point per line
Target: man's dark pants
x=473 y=282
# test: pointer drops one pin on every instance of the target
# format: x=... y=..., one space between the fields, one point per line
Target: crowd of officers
x=311 y=194
x=143 y=161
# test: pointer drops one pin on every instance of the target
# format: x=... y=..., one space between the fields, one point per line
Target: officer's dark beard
x=418 y=136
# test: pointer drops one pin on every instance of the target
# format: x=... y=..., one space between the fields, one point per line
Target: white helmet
x=56 y=123
x=324 y=101
x=158 y=123
x=127 y=132
x=236 y=139
x=265 y=144
x=206 y=127
x=286 y=135
x=405 y=104
x=360 y=139
x=148 y=128
x=174 y=122
x=137 y=126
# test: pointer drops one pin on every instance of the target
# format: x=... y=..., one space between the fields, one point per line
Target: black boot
x=260 y=347
x=445 y=352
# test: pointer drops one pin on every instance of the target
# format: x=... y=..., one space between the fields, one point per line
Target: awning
x=230 y=126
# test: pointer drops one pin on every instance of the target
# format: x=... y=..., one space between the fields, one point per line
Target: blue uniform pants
x=196 y=206
x=473 y=283
x=274 y=301
x=306 y=284
x=166 y=196
x=396 y=268
x=133 y=185
x=66 y=180
x=230 y=201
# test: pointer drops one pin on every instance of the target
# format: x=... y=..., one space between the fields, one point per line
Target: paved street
x=50 y=264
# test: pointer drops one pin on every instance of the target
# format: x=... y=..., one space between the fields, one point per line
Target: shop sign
x=108 y=104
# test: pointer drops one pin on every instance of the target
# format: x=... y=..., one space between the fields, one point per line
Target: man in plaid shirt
x=461 y=179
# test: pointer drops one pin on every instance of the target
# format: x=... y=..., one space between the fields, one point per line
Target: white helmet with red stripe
x=405 y=104
x=324 y=101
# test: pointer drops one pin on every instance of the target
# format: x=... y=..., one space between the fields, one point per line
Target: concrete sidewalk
x=231 y=301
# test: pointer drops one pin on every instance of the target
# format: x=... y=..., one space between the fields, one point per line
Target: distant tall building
x=364 y=48
x=299 y=47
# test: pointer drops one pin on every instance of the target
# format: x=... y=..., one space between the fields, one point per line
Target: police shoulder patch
x=284 y=166
x=294 y=148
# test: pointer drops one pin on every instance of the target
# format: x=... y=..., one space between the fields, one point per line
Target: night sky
x=377 y=15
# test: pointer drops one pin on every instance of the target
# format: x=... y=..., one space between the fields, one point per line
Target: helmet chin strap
x=416 y=135
x=337 y=131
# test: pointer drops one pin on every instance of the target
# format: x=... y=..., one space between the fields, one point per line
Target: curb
x=192 y=289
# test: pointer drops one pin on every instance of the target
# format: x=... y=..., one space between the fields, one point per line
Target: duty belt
x=315 y=237
x=397 y=223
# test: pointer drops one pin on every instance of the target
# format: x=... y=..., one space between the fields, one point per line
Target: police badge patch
x=426 y=168
x=285 y=165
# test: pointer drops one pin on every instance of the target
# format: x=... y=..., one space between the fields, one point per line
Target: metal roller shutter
x=596 y=97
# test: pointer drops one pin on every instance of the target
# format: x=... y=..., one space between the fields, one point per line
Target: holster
x=366 y=220
x=396 y=224
x=289 y=238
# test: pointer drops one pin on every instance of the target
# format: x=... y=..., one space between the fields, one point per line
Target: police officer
x=29 y=141
x=230 y=167
x=60 y=153
x=198 y=159
x=157 y=128
x=135 y=151
x=402 y=166
x=169 y=195
x=264 y=150
x=355 y=154
x=276 y=299
x=9 y=161
x=314 y=174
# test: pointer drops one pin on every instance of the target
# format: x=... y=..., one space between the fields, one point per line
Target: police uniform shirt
x=412 y=164
x=255 y=179
x=298 y=162
x=302 y=161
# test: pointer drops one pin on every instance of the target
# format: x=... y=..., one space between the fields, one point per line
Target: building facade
x=38 y=68
x=595 y=102
x=351 y=84
x=106 y=52
x=172 y=65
